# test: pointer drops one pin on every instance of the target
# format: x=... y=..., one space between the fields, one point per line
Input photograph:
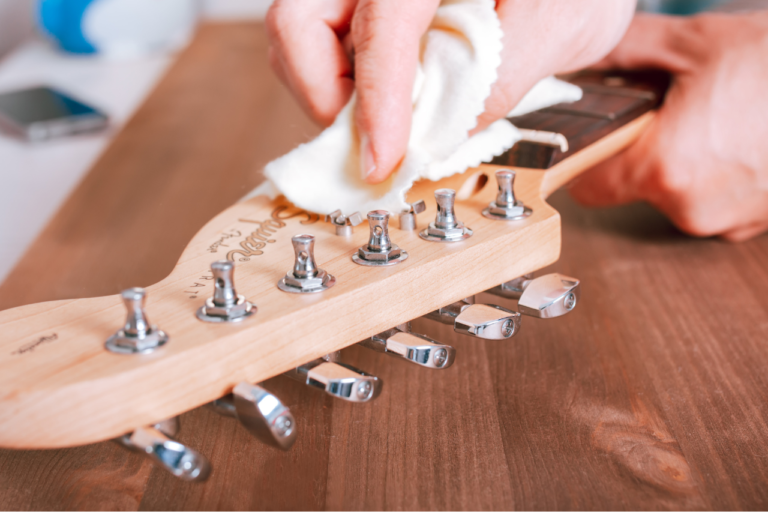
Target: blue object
x=62 y=20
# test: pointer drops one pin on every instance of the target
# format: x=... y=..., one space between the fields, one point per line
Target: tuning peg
x=225 y=305
x=138 y=336
x=446 y=228
x=547 y=296
x=479 y=320
x=379 y=251
x=506 y=206
x=408 y=217
x=412 y=347
x=305 y=276
x=344 y=223
x=261 y=412
x=156 y=442
x=338 y=379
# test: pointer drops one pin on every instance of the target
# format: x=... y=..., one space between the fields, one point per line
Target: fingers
x=619 y=179
x=306 y=54
x=745 y=233
x=385 y=36
x=652 y=41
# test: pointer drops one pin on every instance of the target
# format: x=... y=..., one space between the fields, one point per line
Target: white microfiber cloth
x=461 y=53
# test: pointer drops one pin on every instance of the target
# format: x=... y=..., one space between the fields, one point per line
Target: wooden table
x=651 y=394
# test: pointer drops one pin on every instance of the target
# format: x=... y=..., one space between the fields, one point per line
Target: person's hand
x=704 y=160
x=311 y=44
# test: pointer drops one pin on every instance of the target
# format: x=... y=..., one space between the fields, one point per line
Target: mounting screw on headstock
x=343 y=222
x=408 y=217
x=446 y=227
x=379 y=251
x=225 y=305
x=547 y=296
x=305 y=276
x=506 y=206
x=138 y=336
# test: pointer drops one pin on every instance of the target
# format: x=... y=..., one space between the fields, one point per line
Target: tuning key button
x=344 y=223
x=259 y=411
x=416 y=348
x=506 y=206
x=138 y=336
x=225 y=305
x=338 y=380
x=264 y=415
x=379 y=251
x=408 y=217
x=446 y=228
x=156 y=442
x=484 y=321
x=547 y=296
x=305 y=276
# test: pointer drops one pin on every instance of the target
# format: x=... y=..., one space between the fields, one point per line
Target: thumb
x=386 y=36
x=652 y=41
x=619 y=179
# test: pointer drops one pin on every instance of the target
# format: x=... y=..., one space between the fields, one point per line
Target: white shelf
x=35 y=179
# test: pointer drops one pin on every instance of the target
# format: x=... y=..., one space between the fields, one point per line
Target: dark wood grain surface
x=651 y=395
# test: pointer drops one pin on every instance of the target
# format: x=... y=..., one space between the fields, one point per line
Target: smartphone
x=42 y=113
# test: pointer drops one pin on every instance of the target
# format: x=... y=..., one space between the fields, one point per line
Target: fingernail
x=367 y=162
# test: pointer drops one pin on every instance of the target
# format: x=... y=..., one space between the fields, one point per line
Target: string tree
x=408 y=218
x=344 y=223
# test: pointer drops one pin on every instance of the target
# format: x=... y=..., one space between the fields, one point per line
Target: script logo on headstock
x=254 y=243
x=30 y=347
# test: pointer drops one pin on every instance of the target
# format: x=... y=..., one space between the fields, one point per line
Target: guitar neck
x=618 y=103
x=61 y=385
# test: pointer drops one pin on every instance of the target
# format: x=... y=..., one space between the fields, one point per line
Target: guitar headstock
x=266 y=289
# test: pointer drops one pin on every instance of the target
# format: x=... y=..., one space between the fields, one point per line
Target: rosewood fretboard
x=611 y=100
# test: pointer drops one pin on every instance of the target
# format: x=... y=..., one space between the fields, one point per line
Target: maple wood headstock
x=60 y=386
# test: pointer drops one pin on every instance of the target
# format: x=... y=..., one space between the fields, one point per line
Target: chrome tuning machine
x=415 y=348
x=506 y=206
x=156 y=442
x=305 y=276
x=446 y=227
x=344 y=223
x=261 y=413
x=338 y=379
x=138 y=336
x=547 y=296
x=484 y=321
x=408 y=217
x=379 y=251
x=225 y=305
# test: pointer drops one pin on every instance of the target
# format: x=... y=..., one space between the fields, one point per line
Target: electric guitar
x=266 y=288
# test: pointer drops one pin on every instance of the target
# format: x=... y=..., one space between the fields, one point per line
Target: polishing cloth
x=458 y=66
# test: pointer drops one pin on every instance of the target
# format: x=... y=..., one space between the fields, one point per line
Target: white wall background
x=16 y=22
x=17 y=16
